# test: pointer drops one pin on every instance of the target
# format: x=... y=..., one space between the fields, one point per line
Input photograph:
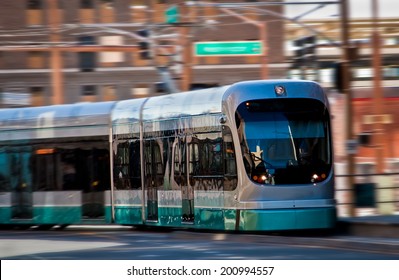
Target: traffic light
x=338 y=76
x=144 y=45
x=338 y=70
x=305 y=52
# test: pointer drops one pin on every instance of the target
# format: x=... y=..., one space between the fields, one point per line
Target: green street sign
x=172 y=14
x=228 y=48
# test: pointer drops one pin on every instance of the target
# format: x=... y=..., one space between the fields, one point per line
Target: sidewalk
x=384 y=226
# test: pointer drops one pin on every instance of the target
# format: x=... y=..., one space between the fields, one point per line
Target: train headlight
x=318 y=178
x=263 y=178
x=315 y=177
x=260 y=179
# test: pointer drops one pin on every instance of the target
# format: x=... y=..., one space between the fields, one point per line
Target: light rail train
x=252 y=156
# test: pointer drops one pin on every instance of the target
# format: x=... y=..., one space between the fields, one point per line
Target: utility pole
x=348 y=104
x=56 y=58
x=185 y=43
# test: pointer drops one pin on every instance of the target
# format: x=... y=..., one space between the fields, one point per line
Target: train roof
x=198 y=102
x=72 y=119
x=19 y=123
x=267 y=89
x=260 y=89
x=82 y=112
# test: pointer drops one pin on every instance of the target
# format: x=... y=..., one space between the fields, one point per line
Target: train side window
x=71 y=169
x=180 y=163
x=121 y=170
x=4 y=171
x=135 y=165
x=206 y=161
x=212 y=161
x=127 y=166
x=68 y=170
x=46 y=172
x=194 y=163
x=153 y=162
x=86 y=169
x=230 y=165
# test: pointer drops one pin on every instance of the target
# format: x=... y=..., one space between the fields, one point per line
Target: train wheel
x=61 y=227
x=44 y=227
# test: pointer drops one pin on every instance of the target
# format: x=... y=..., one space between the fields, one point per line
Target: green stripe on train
x=217 y=219
x=287 y=219
x=57 y=215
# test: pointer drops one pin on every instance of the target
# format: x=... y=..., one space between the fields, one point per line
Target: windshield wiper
x=262 y=160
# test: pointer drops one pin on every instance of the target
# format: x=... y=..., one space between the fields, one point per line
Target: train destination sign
x=228 y=48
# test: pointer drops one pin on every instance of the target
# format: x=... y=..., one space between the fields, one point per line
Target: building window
x=2 y=60
x=111 y=57
x=86 y=12
x=34 y=13
x=140 y=90
x=138 y=3
x=86 y=4
x=88 y=93
x=392 y=72
x=107 y=14
x=139 y=11
x=88 y=90
x=87 y=60
x=37 y=96
x=107 y=3
x=363 y=73
x=34 y=4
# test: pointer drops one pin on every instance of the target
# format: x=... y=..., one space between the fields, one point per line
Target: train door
x=180 y=178
x=20 y=183
x=93 y=176
x=153 y=176
x=86 y=170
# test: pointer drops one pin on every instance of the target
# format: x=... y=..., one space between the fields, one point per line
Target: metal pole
x=111 y=170
x=262 y=26
x=378 y=94
x=56 y=59
x=348 y=103
x=263 y=39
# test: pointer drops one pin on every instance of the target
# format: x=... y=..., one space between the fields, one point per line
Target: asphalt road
x=123 y=243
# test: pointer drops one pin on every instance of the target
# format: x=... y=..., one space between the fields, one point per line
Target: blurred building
x=376 y=131
x=28 y=43
x=325 y=51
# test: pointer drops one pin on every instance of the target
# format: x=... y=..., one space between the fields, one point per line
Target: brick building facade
x=112 y=75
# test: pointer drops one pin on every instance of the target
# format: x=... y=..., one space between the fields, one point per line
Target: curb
x=364 y=228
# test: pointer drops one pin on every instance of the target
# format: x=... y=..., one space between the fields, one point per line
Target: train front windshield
x=285 y=141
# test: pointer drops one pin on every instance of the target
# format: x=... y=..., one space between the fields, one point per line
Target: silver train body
x=253 y=156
